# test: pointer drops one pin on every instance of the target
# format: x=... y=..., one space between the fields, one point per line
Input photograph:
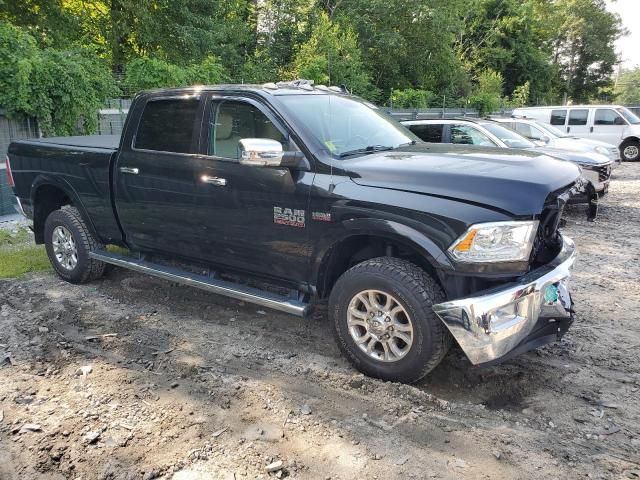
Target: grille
x=604 y=173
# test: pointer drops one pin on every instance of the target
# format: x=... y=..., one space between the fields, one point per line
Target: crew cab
x=286 y=194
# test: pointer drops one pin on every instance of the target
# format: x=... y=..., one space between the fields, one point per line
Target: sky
x=628 y=46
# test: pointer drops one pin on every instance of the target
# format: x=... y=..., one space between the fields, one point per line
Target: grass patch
x=18 y=254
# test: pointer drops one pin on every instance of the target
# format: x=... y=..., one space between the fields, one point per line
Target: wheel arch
x=49 y=194
x=363 y=239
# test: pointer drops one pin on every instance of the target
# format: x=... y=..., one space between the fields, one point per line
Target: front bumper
x=513 y=317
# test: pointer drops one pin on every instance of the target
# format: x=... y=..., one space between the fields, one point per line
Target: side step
x=215 y=285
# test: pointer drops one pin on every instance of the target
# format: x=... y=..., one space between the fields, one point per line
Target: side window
x=578 y=117
x=467 y=135
x=429 y=133
x=558 y=117
x=233 y=120
x=606 y=116
x=523 y=129
x=168 y=125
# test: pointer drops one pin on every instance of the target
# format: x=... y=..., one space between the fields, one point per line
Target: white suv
x=608 y=123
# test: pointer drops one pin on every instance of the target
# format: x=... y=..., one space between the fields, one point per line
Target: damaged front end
x=536 y=308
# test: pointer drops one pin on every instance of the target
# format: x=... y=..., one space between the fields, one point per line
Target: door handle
x=217 y=181
x=568 y=129
x=133 y=171
x=591 y=130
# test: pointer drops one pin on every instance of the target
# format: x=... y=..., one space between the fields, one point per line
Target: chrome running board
x=204 y=282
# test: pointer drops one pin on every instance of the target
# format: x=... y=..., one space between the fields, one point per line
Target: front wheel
x=630 y=150
x=68 y=241
x=383 y=320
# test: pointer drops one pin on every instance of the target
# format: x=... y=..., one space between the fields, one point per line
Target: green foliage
x=412 y=98
x=487 y=96
x=148 y=73
x=331 y=57
x=520 y=96
x=628 y=87
x=62 y=89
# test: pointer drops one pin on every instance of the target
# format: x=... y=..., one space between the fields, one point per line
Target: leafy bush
x=62 y=89
x=412 y=98
x=487 y=96
x=146 y=73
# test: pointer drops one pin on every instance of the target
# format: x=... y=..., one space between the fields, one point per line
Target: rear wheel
x=68 y=241
x=630 y=150
x=383 y=320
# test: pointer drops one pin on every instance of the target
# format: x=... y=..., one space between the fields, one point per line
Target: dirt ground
x=131 y=377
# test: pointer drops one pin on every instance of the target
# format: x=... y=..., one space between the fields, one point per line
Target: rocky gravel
x=132 y=377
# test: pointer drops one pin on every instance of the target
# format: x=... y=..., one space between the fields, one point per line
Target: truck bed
x=107 y=142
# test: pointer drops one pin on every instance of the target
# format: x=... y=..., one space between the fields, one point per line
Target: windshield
x=553 y=131
x=510 y=138
x=346 y=126
x=629 y=116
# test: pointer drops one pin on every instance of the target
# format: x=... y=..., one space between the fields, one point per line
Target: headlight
x=495 y=242
x=603 y=151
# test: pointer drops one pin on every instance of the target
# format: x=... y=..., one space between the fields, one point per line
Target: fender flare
x=381 y=228
x=43 y=180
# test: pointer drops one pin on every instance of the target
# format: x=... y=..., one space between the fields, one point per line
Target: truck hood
x=581 y=158
x=513 y=181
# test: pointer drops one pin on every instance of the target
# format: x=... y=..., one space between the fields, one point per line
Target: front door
x=608 y=126
x=263 y=224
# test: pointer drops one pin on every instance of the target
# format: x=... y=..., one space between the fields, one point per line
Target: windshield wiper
x=365 y=150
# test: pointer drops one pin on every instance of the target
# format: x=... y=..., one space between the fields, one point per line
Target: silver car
x=542 y=134
x=595 y=167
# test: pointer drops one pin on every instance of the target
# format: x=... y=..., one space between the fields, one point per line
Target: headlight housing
x=495 y=242
x=603 y=151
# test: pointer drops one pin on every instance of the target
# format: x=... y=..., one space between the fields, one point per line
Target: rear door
x=559 y=118
x=608 y=126
x=156 y=175
x=578 y=122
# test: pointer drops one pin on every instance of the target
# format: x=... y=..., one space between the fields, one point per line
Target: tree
x=628 y=87
x=487 y=96
x=332 y=56
x=412 y=98
x=584 y=46
x=62 y=89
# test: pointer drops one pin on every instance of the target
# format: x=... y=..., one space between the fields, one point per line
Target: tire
x=415 y=292
x=630 y=150
x=58 y=227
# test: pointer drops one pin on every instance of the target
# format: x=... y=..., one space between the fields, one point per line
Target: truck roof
x=295 y=87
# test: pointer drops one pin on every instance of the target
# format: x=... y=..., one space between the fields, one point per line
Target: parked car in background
x=542 y=134
x=613 y=124
x=285 y=194
x=595 y=167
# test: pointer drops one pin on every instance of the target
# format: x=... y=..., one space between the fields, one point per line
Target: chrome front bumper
x=491 y=325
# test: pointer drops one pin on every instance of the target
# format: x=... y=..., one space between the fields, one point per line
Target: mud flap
x=592 y=212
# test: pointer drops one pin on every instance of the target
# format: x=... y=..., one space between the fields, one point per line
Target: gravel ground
x=131 y=377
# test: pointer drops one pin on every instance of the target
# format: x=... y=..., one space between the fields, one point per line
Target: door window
x=606 y=116
x=429 y=133
x=529 y=131
x=231 y=121
x=168 y=125
x=558 y=117
x=578 y=117
x=467 y=135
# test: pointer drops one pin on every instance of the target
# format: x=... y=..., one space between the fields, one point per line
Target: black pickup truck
x=287 y=194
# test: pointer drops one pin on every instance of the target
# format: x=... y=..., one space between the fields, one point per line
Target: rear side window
x=558 y=117
x=606 y=116
x=523 y=129
x=578 y=117
x=168 y=125
x=428 y=133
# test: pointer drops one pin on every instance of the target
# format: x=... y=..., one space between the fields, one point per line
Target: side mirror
x=261 y=152
x=546 y=139
x=265 y=152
